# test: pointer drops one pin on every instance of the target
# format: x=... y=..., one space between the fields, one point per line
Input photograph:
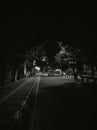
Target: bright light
x=37 y=68
x=43 y=59
x=34 y=62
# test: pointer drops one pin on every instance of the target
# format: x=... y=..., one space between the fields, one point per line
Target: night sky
x=51 y=27
x=23 y=30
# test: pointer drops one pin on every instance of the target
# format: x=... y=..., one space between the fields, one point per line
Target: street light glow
x=37 y=68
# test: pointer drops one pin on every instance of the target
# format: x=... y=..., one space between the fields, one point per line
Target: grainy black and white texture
x=48 y=72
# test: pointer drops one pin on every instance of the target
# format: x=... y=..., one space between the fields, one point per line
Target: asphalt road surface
x=62 y=103
x=50 y=103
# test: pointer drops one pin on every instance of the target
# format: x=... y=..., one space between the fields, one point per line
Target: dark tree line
x=17 y=62
x=76 y=55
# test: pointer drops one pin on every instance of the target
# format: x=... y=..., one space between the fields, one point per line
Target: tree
x=69 y=56
x=90 y=54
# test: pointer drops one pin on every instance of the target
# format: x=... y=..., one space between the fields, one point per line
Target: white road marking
x=8 y=95
x=35 y=102
x=37 y=87
x=17 y=113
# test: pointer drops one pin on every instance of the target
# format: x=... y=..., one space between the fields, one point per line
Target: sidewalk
x=15 y=103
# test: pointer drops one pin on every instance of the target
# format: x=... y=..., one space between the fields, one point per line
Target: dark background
x=21 y=29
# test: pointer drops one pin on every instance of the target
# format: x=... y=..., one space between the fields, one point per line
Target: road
x=64 y=104
x=14 y=101
x=48 y=103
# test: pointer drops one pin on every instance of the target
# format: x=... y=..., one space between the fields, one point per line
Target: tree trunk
x=16 y=75
x=25 y=69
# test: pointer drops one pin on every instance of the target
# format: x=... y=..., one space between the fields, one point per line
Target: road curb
x=22 y=116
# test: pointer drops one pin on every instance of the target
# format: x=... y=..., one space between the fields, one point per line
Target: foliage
x=69 y=55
